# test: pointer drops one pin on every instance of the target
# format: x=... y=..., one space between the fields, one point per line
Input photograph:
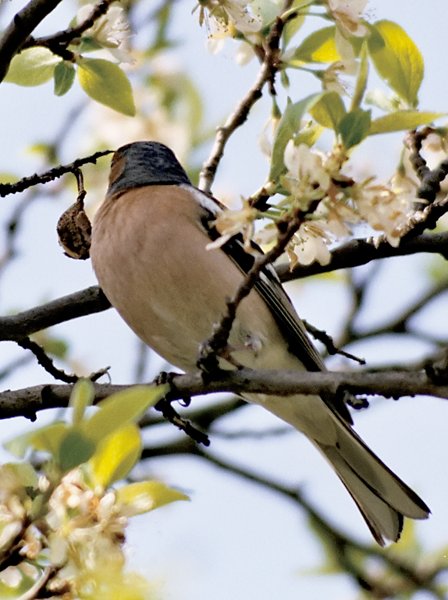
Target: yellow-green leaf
x=32 y=66
x=121 y=408
x=116 y=455
x=45 y=439
x=75 y=448
x=402 y=120
x=81 y=397
x=106 y=83
x=144 y=496
x=354 y=127
x=329 y=110
x=318 y=47
x=290 y=124
x=397 y=59
x=64 y=75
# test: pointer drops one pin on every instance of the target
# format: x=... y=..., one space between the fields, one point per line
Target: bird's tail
x=380 y=495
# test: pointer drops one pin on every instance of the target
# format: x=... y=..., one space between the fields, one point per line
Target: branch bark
x=28 y=401
x=23 y=23
x=73 y=306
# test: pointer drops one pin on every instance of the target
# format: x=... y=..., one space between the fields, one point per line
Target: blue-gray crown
x=144 y=163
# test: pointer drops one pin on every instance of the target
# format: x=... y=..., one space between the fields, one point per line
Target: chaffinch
x=149 y=253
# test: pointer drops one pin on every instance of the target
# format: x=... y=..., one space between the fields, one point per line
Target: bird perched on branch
x=149 y=252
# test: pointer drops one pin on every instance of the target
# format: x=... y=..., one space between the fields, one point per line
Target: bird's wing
x=269 y=287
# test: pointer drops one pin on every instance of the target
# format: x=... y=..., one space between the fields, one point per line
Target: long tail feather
x=381 y=496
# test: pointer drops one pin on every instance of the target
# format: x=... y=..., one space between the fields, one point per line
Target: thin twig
x=45 y=361
x=266 y=75
x=58 y=42
x=55 y=173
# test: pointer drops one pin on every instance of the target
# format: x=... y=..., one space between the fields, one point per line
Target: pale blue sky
x=233 y=540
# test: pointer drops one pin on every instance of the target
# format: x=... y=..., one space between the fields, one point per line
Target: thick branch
x=389 y=384
x=73 y=306
x=361 y=251
x=23 y=23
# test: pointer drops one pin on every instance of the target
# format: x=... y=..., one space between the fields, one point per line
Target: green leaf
x=122 y=408
x=361 y=81
x=32 y=66
x=116 y=455
x=144 y=496
x=329 y=110
x=318 y=47
x=402 y=120
x=106 y=83
x=82 y=396
x=290 y=124
x=64 y=76
x=45 y=439
x=354 y=127
x=397 y=59
x=75 y=448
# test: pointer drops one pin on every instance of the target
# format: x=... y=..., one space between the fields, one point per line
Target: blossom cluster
x=80 y=533
x=330 y=205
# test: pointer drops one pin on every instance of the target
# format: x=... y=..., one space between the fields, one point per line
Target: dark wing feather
x=271 y=290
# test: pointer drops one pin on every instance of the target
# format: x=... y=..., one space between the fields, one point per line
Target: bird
x=150 y=251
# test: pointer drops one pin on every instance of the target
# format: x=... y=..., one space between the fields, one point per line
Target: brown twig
x=55 y=173
x=328 y=342
x=166 y=408
x=92 y=300
x=58 y=42
x=45 y=361
x=266 y=75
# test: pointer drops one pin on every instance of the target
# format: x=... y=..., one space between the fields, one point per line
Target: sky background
x=234 y=540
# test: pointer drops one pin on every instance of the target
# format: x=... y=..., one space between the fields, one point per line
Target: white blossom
x=348 y=16
x=111 y=30
x=310 y=244
x=226 y=17
x=307 y=178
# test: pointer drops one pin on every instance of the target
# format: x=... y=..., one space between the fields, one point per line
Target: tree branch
x=23 y=23
x=281 y=383
x=269 y=67
x=362 y=251
x=73 y=306
x=62 y=39
x=55 y=173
